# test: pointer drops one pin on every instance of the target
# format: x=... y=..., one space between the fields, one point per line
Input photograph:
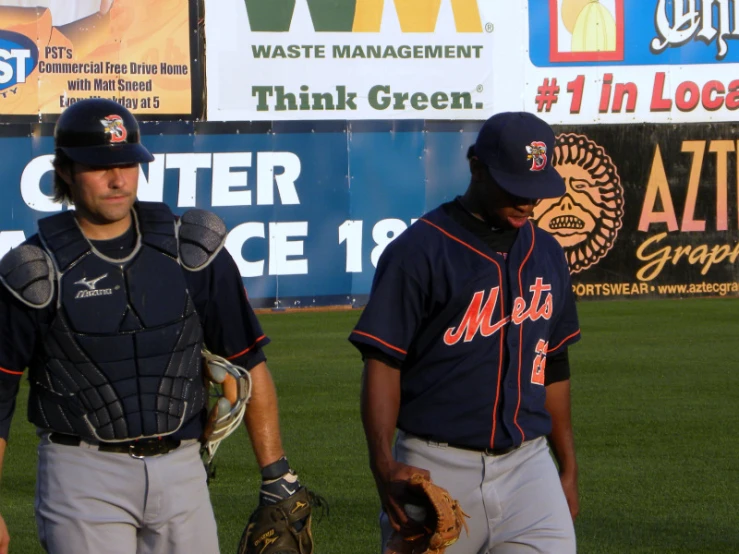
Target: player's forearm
x=380 y=404
x=262 y=417
x=561 y=439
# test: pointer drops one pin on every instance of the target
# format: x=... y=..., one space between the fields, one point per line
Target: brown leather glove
x=436 y=520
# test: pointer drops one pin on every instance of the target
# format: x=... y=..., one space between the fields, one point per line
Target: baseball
x=415 y=512
x=224 y=406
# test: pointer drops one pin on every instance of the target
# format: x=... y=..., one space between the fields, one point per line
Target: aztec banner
x=631 y=61
x=349 y=59
x=650 y=210
x=54 y=53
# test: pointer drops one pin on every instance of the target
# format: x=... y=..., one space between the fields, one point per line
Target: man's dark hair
x=62 y=162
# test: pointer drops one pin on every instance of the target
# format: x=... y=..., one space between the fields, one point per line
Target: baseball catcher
x=435 y=520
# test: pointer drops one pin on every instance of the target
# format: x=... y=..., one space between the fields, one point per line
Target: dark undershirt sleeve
x=17 y=341
x=8 y=393
x=557 y=368
x=230 y=326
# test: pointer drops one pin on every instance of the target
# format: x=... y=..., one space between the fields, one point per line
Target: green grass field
x=655 y=391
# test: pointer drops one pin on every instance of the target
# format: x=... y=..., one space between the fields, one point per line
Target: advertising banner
x=650 y=210
x=136 y=52
x=349 y=59
x=572 y=61
x=630 y=61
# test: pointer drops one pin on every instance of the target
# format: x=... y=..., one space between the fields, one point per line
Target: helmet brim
x=109 y=155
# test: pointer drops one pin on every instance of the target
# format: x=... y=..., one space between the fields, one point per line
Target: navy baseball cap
x=517 y=148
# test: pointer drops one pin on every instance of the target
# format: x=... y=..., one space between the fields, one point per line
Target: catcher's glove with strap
x=282 y=528
x=436 y=520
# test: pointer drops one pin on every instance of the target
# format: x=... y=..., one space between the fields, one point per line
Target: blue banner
x=309 y=212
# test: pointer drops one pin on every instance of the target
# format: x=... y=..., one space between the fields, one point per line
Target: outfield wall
x=315 y=159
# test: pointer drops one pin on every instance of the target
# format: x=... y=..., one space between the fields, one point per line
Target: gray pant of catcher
x=91 y=502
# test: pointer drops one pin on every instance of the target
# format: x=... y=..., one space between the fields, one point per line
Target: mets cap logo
x=113 y=125
x=537 y=153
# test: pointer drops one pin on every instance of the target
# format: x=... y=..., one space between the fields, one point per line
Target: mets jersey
x=472 y=329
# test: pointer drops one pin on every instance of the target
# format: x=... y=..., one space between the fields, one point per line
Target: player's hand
x=569 y=486
x=4 y=537
x=391 y=485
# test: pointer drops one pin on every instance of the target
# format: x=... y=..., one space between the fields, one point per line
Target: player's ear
x=478 y=170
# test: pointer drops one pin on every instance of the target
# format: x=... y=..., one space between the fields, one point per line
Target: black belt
x=488 y=451
x=137 y=448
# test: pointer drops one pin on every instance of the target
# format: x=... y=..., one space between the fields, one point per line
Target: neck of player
x=102 y=230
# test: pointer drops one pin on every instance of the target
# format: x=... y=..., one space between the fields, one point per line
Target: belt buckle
x=132 y=451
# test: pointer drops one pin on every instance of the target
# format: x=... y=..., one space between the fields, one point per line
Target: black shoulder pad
x=201 y=235
x=28 y=274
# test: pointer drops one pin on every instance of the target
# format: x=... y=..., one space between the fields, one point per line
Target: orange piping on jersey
x=380 y=341
x=520 y=331
x=460 y=241
x=502 y=317
x=245 y=350
x=11 y=372
x=564 y=340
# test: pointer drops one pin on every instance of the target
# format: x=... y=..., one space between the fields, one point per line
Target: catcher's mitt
x=230 y=391
x=437 y=520
x=282 y=528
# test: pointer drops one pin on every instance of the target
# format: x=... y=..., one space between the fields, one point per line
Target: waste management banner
x=136 y=52
x=650 y=210
x=573 y=61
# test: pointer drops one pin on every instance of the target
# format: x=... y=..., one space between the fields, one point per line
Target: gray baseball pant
x=90 y=502
x=515 y=501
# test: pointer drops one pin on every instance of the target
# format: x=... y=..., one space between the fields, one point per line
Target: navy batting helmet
x=101 y=133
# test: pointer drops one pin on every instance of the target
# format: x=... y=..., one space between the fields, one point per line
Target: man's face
x=103 y=195
x=502 y=208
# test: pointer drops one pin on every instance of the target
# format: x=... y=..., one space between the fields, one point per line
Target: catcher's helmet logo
x=113 y=125
x=537 y=153
x=586 y=219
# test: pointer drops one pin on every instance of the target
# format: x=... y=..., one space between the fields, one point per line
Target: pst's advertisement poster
x=56 y=52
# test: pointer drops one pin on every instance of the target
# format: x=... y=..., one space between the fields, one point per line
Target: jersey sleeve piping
x=564 y=341
x=10 y=372
x=382 y=342
x=248 y=348
x=460 y=241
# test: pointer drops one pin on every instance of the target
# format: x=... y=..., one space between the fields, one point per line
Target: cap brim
x=547 y=183
x=109 y=155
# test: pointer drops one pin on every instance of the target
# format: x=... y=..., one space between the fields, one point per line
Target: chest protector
x=121 y=353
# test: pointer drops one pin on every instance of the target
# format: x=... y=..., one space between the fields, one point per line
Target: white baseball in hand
x=415 y=512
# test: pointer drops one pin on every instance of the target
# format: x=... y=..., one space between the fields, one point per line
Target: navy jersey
x=472 y=329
